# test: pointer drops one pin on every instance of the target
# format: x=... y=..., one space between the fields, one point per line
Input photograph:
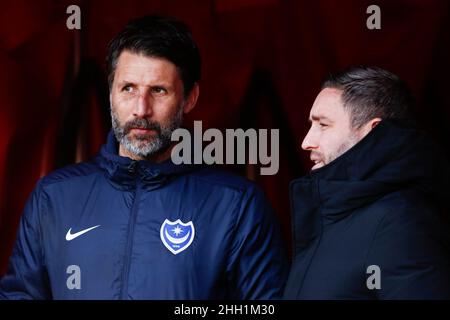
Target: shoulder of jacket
x=70 y=172
x=405 y=211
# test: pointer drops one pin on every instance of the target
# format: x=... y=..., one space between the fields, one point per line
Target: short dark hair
x=162 y=37
x=372 y=92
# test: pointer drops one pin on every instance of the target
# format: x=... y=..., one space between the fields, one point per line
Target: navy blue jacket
x=114 y=228
x=379 y=204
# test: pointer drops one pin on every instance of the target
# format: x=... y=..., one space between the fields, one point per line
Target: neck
x=158 y=157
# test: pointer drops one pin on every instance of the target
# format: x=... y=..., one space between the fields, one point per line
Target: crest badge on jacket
x=177 y=236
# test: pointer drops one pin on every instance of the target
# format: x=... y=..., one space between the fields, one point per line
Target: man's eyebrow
x=125 y=82
x=318 y=118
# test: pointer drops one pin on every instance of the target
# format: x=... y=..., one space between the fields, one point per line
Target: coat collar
x=391 y=157
x=123 y=172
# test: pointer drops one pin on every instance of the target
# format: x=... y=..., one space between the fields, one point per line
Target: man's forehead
x=327 y=105
x=132 y=64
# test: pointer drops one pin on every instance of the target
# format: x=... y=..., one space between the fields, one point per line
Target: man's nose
x=144 y=106
x=309 y=142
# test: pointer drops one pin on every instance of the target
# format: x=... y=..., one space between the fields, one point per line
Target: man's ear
x=191 y=99
x=374 y=122
x=365 y=129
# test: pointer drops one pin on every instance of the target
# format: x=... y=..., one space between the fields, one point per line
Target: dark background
x=263 y=61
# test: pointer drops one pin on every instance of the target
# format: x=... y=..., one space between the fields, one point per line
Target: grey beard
x=144 y=146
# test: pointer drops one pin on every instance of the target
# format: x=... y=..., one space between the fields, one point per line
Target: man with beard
x=368 y=219
x=131 y=224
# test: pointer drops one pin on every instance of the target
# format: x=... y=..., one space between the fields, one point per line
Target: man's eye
x=323 y=125
x=127 y=89
x=158 y=90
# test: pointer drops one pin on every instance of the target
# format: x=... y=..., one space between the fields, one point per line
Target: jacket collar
x=124 y=172
x=390 y=157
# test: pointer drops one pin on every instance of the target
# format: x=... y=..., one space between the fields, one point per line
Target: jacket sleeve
x=411 y=249
x=26 y=276
x=258 y=266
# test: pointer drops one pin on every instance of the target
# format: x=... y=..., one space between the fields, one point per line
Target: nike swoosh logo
x=71 y=236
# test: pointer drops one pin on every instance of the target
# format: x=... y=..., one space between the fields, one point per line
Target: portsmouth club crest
x=177 y=236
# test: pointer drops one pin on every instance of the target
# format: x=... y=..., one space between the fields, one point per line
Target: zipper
x=129 y=247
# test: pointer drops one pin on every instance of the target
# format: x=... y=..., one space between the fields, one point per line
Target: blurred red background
x=263 y=61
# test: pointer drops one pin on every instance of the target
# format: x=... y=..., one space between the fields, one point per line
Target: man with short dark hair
x=367 y=219
x=130 y=224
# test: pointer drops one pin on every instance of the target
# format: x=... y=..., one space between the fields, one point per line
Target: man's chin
x=135 y=143
x=317 y=166
x=147 y=147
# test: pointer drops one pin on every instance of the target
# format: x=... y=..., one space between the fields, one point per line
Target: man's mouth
x=141 y=130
